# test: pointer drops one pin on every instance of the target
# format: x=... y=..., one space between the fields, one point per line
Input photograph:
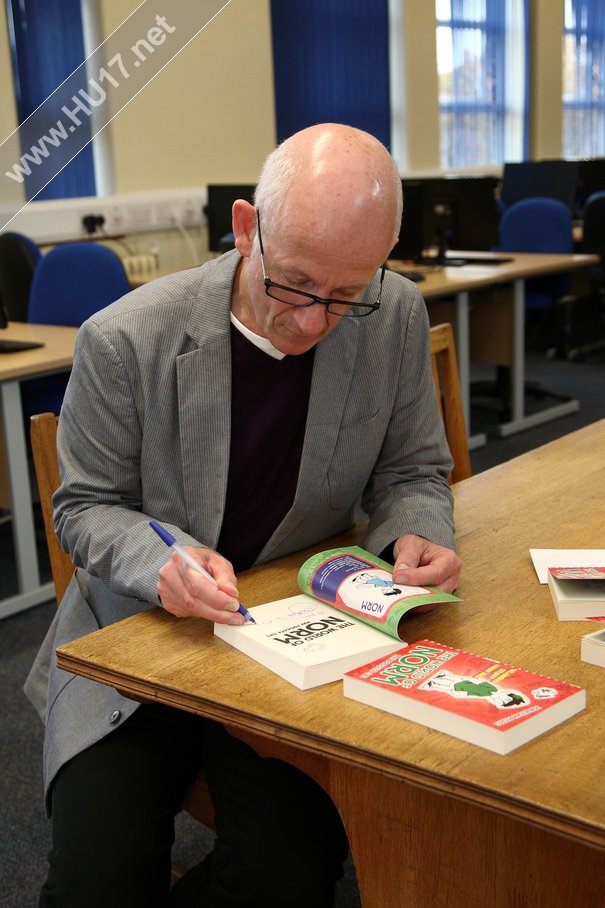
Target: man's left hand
x=419 y=562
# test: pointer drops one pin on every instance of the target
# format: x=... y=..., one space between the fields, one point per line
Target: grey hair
x=279 y=172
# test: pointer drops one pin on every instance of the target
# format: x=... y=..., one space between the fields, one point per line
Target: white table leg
x=519 y=421
x=463 y=354
x=26 y=556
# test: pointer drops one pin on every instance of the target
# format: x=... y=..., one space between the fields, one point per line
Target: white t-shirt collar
x=261 y=342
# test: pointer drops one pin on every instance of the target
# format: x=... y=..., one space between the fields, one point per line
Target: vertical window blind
x=331 y=64
x=47 y=44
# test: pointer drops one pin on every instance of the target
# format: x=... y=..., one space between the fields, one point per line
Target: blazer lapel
x=204 y=392
x=204 y=400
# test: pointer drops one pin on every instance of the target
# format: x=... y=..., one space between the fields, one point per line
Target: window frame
x=505 y=41
x=584 y=100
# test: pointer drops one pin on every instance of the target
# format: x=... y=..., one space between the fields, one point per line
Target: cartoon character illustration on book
x=460 y=686
x=544 y=693
x=380 y=584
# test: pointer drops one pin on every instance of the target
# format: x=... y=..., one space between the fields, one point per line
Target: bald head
x=333 y=179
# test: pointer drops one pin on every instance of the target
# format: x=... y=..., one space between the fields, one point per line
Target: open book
x=350 y=612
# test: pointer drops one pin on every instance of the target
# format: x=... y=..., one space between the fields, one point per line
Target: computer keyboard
x=455 y=261
x=14 y=346
x=413 y=275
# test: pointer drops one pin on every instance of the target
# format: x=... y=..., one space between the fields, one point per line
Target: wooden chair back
x=43 y=432
x=449 y=399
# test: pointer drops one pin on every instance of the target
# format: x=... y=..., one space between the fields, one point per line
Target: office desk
x=460 y=282
x=55 y=356
x=431 y=820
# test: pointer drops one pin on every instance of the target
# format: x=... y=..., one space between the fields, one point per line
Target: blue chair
x=71 y=283
x=534 y=225
x=74 y=281
x=19 y=257
x=539 y=225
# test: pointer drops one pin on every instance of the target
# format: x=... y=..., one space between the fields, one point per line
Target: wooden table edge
x=472 y=794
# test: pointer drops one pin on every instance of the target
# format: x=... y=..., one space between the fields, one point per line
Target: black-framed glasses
x=294 y=297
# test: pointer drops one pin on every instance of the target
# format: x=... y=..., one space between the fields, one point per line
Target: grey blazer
x=144 y=432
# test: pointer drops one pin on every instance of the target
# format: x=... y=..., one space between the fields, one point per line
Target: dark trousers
x=280 y=840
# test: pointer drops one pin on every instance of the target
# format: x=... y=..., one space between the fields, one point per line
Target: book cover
x=593 y=648
x=349 y=612
x=488 y=703
x=361 y=585
x=577 y=593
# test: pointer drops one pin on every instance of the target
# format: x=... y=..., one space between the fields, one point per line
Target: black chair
x=19 y=256
x=593 y=238
x=585 y=326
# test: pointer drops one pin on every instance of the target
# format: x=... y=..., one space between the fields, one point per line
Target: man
x=252 y=406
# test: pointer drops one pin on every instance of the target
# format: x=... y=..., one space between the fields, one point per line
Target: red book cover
x=578 y=573
x=480 y=700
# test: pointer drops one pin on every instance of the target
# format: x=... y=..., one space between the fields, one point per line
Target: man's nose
x=311 y=319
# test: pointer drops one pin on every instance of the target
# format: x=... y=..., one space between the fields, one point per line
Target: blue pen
x=169 y=539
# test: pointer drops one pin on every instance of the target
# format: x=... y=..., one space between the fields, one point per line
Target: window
x=583 y=79
x=47 y=44
x=481 y=61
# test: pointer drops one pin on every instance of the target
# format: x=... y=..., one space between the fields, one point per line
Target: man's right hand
x=187 y=594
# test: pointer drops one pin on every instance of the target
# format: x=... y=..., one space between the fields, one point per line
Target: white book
x=577 y=593
x=593 y=648
x=306 y=642
x=350 y=611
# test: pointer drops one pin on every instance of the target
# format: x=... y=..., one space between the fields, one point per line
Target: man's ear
x=244 y=226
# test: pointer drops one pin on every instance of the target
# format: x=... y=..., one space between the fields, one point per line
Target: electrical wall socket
x=154 y=211
x=54 y=221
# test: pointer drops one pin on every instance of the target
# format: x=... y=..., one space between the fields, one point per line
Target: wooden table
x=460 y=282
x=432 y=821
x=55 y=356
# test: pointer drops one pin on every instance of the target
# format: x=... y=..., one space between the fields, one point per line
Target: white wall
x=209 y=115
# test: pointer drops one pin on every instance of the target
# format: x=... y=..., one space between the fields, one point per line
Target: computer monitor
x=591 y=179
x=554 y=179
x=447 y=213
x=461 y=213
x=410 y=245
x=221 y=197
